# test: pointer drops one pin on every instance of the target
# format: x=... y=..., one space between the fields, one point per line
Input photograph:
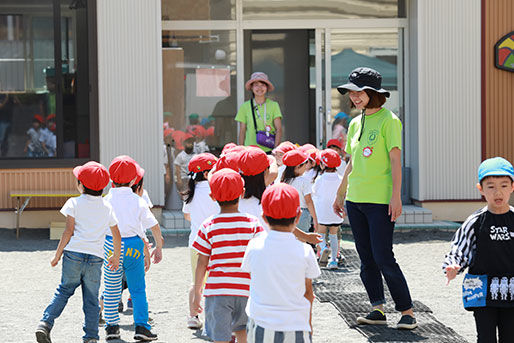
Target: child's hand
x=54 y=261
x=313 y=238
x=338 y=207
x=197 y=307
x=451 y=273
x=113 y=262
x=147 y=263
x=156 y=255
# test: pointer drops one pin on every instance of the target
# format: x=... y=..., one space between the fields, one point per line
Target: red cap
x=335 y=142
x=168 y=131
x=226 y=185
x=229 y=160
x=140 y=173
x=280 y=201
x=92 y=175
x=285 y=147
x=39 y=118
x=313 y=154
x=227 y=147
x=294 y=157
x=123 y=169
x=306 y=147
x=197 y=130
x=253 y=161
x=50 y=116
x=202 y=162
x=210 y=131
x=330 y=158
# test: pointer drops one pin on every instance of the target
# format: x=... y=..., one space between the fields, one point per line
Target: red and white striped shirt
x=224 y=237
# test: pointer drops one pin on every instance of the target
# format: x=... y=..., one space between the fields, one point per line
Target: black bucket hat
x=363 y=78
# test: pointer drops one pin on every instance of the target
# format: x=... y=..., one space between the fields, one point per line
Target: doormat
x=343 y=288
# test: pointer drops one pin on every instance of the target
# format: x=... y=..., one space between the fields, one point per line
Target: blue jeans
x=373 y=234
x=83 y=270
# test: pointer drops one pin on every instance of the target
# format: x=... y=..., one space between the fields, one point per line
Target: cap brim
x=353 y=87
x=248 y=84
x=76 y=171
x=497 y=173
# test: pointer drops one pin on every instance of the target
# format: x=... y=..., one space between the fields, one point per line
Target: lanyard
x=259 y=112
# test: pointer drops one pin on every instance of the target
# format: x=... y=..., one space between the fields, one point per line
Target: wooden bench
x=29 y=194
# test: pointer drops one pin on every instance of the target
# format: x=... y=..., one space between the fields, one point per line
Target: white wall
x=445 y=98
x=130 y=86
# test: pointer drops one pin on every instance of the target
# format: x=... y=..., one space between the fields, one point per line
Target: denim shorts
x=224 y=314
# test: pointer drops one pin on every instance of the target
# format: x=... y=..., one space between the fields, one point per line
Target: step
x=435 y=225
x=174 y=220
x=412 y=214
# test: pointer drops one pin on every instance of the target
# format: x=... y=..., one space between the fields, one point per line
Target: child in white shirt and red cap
x=281 y=270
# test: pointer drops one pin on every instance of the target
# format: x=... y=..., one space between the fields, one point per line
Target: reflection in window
x=37 y=118
x=322 y=9
x=198 y=9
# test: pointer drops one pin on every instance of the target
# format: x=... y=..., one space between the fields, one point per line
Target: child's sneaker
x=375 y=317
x=332 y=265
x=112 y=332
x=143 y=334
x=324 y=255
x=120 y=306
x=43 y=333
x=407 y=323
x=101 y=320
x=194 y=323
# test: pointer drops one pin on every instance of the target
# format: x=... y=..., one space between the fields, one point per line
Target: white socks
x=334 y=247
x=323 y=243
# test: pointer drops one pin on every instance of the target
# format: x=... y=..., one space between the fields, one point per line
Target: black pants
x=487 y=319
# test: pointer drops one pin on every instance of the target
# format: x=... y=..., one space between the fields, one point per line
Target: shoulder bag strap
x=253 y=115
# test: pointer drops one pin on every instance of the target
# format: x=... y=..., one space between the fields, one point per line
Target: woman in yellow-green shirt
x=371 y=188
x=265 y=111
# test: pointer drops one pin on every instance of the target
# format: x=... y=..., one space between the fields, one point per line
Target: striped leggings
x=132 y=263
x=258 y=334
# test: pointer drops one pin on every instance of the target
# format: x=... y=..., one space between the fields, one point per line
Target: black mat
x=343 y=288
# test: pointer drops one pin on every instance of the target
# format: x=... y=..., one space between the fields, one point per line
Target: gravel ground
x=29 y=283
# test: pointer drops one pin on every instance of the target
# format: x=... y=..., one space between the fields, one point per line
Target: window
x=44 y=80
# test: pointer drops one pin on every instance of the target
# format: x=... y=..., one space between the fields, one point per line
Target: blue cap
x=496 y=166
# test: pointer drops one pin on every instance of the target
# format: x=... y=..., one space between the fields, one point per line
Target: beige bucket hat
x=259 y=76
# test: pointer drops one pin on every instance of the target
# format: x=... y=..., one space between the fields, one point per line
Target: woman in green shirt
x=371 y=187
x=266 y=112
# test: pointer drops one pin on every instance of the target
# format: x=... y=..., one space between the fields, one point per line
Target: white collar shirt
x=278 y=265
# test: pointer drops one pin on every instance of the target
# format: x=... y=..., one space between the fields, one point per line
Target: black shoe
x=375 y=317
x=143 y=334
x=112 y=332
x=407 y=323
x=43 y=333
x=120 y=306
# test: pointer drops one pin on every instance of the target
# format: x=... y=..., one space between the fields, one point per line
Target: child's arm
x=307 y=237
x=201 y=269
x=309 y=295
x=65 y=239
x=272 y=173
x=114 y=260
x=312 y=210
x=159 y=242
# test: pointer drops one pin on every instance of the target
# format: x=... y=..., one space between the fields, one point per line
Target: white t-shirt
x=182 y=160
x=253 y=207
x=146 y=197
x=341 y=168
x=304 y=186
x=200 y=208
x=93 y=218
x=134 y=215
x=200 y=147
x=324 y=194
x=280 y=172
x=309 y=175
x=278 y=265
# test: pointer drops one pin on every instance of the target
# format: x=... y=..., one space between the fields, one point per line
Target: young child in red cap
x=198 y=206
x=88 y=218
x=134 y=218
x=279 y=153
x=324 y=194
x=281 y=269
x=336 y=145
x=221 y=243
x=296 y=165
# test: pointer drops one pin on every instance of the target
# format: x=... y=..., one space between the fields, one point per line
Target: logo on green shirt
x=373 y=136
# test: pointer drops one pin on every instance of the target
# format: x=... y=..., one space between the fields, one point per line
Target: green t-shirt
x=370 y=180
x=244 y=115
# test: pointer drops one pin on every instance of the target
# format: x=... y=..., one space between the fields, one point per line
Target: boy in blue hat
x=485 y=245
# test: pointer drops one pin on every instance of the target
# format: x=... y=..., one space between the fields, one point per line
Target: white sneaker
x=194 y=323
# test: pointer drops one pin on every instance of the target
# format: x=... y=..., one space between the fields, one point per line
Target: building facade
x=104 y=78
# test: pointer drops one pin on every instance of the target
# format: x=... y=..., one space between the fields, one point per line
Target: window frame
x=55 y=162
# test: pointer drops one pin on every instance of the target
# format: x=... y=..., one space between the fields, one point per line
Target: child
x=33 y=147
x=134 y=219
x=296 y=164
x=198 y=206
x=325 y=192
x=221 y=243
x=485 y=246
x=88 y=218
x=181 y=162
x=279 y=152
x=336 y=145
x=281 y=270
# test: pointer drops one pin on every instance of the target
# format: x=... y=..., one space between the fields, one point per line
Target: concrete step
x=174 y=220
x=414 y=215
